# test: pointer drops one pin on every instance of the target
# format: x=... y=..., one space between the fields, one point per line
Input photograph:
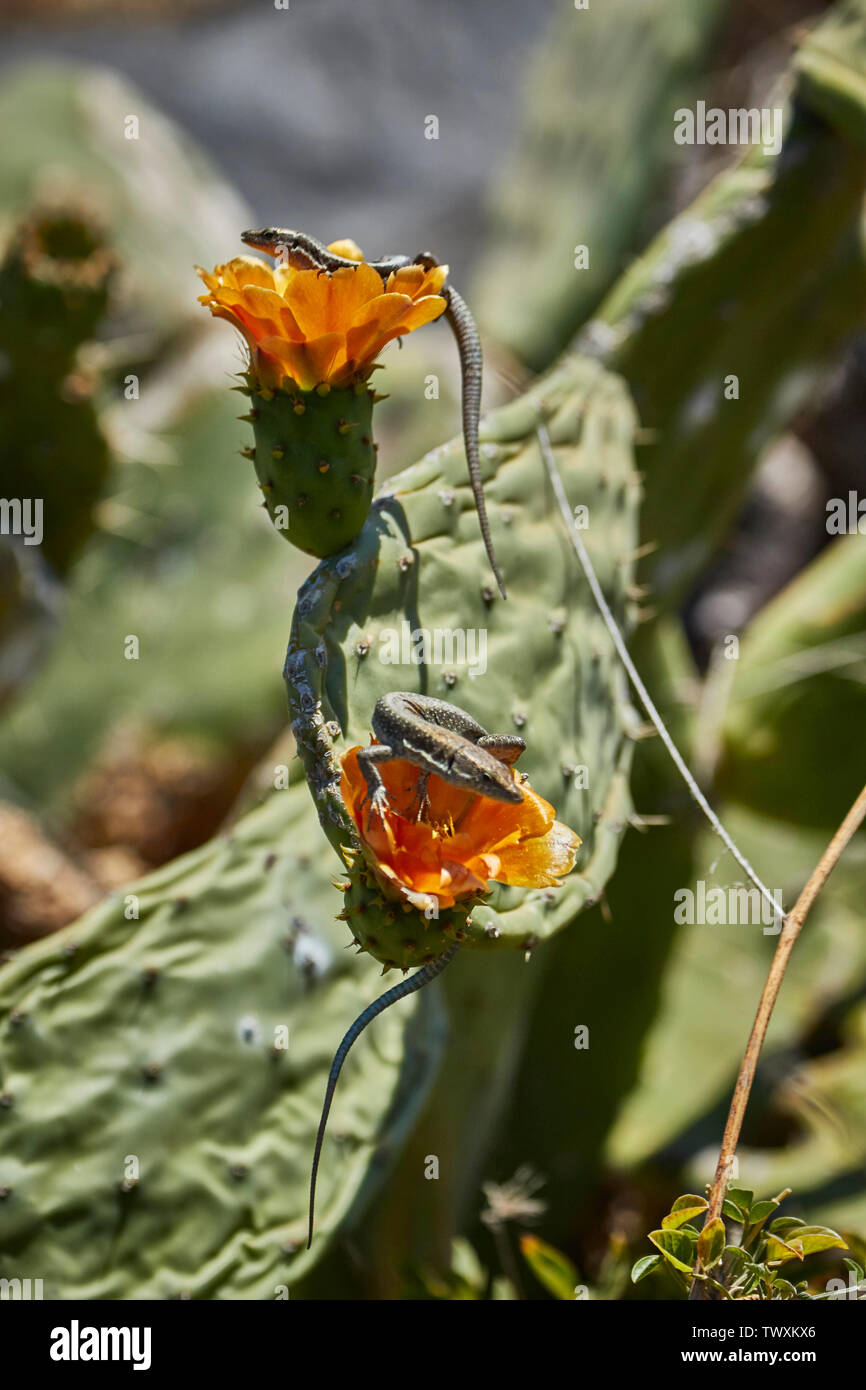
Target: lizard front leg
x=376 y=793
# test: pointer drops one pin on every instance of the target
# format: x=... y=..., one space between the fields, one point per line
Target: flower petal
x=462 y=840
x=540 y=861
x=308 y=310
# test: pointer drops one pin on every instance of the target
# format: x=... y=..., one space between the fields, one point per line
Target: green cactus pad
x=315 y=460
x=551 y=672
x=162 y=1076
x=583 y=168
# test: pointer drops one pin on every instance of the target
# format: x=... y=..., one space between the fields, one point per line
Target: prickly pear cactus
x=315 y=460
x=54 y=281
x=548 y=670
x=161 y=1076
x=713 y=350
x=313 y=338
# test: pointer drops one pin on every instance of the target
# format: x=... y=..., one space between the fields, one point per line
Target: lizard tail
x=417 y=981
x=469 y=346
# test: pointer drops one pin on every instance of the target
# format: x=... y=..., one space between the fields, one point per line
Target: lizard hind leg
x=506 y=747
x=419 y=800
x=415 y=982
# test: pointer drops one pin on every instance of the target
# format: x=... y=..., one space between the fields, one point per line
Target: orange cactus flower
x=307 y=327
x=461 y=841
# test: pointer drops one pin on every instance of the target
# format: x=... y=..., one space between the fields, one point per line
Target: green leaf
x=644 y=1266
x=683 y=1209
x=550 y=1267
x=785 y=1224
x=677 y=1248
x=761 y=1210
x=805 y=1240
x=783 y=1287
x=734 y=1264
x=742 y=1197
x=711 y=1243
x=778 y=1249
x=689 y=1201
x=733 y=1212
x=814 y=1238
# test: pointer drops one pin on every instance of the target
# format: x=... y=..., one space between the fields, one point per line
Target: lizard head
x=489 y=776
x=287 y=247
x=268 y=239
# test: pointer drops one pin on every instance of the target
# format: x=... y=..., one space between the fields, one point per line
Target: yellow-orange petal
x=540 y=861
x=322 y=302
x=261 y=302
x=463 y=840
x=307 y=307
x=416 y=281
x=494 y=824
x=209 y=278
x=348 y=248
x=308 y=363
x=385 y=322
x=249 y=270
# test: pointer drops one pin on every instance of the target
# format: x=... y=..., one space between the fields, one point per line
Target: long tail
x=421 y=978
x=469 y=347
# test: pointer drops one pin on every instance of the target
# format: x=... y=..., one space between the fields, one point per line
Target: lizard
x=435 y=737
x=303 y=252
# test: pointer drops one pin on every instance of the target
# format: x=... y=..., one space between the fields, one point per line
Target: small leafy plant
x=740 y=1255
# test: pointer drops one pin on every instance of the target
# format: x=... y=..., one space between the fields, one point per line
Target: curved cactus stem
x=415 y=982
x=559 y=684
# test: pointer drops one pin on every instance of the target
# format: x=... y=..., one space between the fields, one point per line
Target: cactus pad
x=162 y=1076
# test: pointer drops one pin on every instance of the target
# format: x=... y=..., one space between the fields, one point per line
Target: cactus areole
x=313 y=338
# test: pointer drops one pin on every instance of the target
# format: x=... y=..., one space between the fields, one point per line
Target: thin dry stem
x=790 y=931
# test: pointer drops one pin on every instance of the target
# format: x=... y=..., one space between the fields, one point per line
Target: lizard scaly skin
x=305 y=253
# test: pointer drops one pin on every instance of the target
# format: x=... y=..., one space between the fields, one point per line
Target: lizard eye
x=500 y=786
